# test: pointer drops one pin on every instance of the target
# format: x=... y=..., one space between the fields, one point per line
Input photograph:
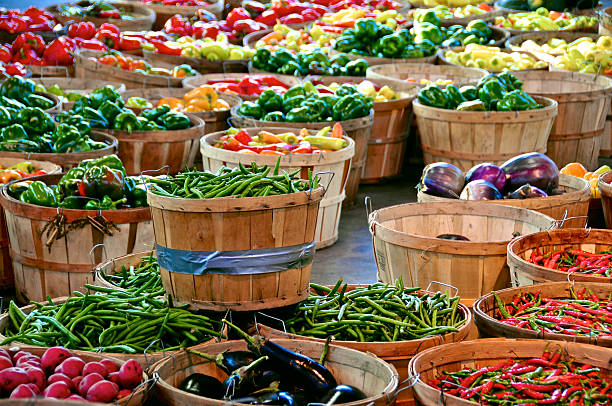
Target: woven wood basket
x=377 y=379
x=405 y=243
x=488 y=326
x=569 y=209
x=468 y=138
x=221 y=225
x=336 y=162
x=400 y=72
x=82 y=86
x=66 y=266
x=488 y=352
x=142 y=21
x=443 y=61
x=68 y=160
x=202 y=65
x=524 y=273
x=372 y=60
x=215 y=120
x=51 y=71
x=163 y=12
x=606 y=197
x=152 y=150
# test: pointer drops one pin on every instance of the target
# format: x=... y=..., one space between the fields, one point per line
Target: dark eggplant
x=527 y=192
x=534 y=168
x=267 y=397
x=242 y=381
x=442 y=179
x=455 y=237
x=343 y=394
x=228 y=361
x=480 y=190
x=489 y=172
x=267 y=378
x=203 y=385
x=305 y=373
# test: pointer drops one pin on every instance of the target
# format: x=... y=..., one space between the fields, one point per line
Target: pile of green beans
x=379 y=312
x=140 y=279
x=237 y=182
x=109 y=320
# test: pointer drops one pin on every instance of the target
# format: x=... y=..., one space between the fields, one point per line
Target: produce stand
x=81 y=86
x=202 y=65
x=142 y=16
x=197 y=81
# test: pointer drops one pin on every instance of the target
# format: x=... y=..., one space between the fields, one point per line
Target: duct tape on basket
x=241 y=262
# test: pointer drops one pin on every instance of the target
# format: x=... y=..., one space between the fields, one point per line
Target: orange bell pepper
x=206 y=94
x=171 y=102
x=108 y=60
x=8 y=175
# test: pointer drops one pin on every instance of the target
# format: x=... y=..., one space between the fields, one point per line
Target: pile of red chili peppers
x=582 y=314
x=547 y=380
x=570 y=260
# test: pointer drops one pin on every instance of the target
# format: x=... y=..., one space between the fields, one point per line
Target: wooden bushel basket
x=336 y=162
x=400 y=72
x=359 y=129
x=86 y=68
x=51 y=71
x=142 y=21
x=7 y=278
x=66 y=266
x=225 y=224
x=197 y=81
x=163 y=12
x=377 y=379
x=70 y=159
x=82 y=86
x=606 y=196
x=524 y=273
x=570 y=209
x=388 y=137
x=405 y=243
x=151 y=150
x=467 y=138
x=488 y=326
x=583 y=104
x=373 y=60
x=202 y=65
x=431 y=363
x=215 y=120
x=443 y=61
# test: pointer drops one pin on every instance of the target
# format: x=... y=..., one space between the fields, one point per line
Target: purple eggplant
x=527 y=192
x=480 y=190
x=453 y=237
x=442 y=179
x=534 y=168
x=489 y=172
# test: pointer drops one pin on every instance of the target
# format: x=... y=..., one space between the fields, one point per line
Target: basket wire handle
x=153 y=380
x=149 y=346
x=411 y=380
x=92 y=250
x=270 y=317
x=443 y=284
x=167 y=167
x=331 y=178
x=228 y=314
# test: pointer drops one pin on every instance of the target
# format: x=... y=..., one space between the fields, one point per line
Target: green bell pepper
x=472 y=105
x=69 y=183
x=391 y=46
x=68 y=139
x=412 y=51
x=12 y=103
x=13 y=132
x=5 y=117
x=428 y=31
x=429 y=16
x=34 y=120
x=112 y=161
x=454 y=96
x=337 y=70
x=451 y=42
x=318 y=68
x=316 y=55
x=511 y=82
x=433 y=96
x=154 y=114
x=490 y=91
x=290 y=68
x=105 y=204
x=94 y=117
x=109 y=110
x=295 y=101
x=481 y=26
x=150 y=125
x=299 y=115
x=280 y=57
x=366 y=29
x=357 y=67
x=75 y=120
x=40 y=194
x=250 y=109
x=261 y=59
x=103 y=94
x=135 y=191
x=340 y=59
x=517 y=100
x=274 y=116
x=35 y=100
x=174 y=121
x=16 y=87
x=297 y=90
x=127 y=121
x=346 y=43
x=138 y=102
x=350 y=106
x=469 y=93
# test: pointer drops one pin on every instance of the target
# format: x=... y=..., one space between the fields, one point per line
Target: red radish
x=37 y=377
x=103 y=391
x=28 y=363
x=130 y=374
x=20 y=354
x=53 y=357
x=57 y=390
x=12 y=377
x=114 y=378
x=5 y=353
x=76 y=381
x=34 y=388
x=97 y=367
x=75 y=397
x=59 y=377
x=123 y=393
x=22 y=391
x=71 y=367
x=5 y=363
x=110 y=365
x=88 y=382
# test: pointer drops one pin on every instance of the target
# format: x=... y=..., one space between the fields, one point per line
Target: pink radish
x=5 y=363
x=96 y=367
x=88 y=382
x=75 y=397
x=22 y=391
x=114 y=378
x=71 y=367
x=20 y=354
x=123 y=393
x=37 y=377
x=53 y=357
x=12 y=377
x=130 y=374
x=110 y=365
x=4 y=353
x=57 y=390
x=59 y=377
x=34 y=388
x=103 y=391
x=76 y=381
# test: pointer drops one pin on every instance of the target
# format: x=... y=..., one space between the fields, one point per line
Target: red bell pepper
x=203 y=29
x=177 y=25
x=25 y=56
x=109 y=38
x=248 y=26
x=110 y=27
x=28 y=41
x=59 y=52
x=309 y=15
x=113 y=14
x=93 y=44
x=292 y=19
x=268 y=17
x=253 y=7
x=243 y=137
x=236 y=15
x=162 y=48
x=15 y=69
x=84 y=30
x=5 y=54
x=129 y=43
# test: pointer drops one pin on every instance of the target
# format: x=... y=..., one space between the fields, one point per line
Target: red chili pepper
x=109 y=38
x=236 y=15
x=129 y=43
x=539 y=362
x=110 y=27
x=203 y=29
x=91 y=44
x=15 y=69
x=162 y=48
x=268 y=17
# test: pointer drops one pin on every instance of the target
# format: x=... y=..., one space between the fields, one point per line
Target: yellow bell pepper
x=171 y=102
x=222 y=105
x=205 y=95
